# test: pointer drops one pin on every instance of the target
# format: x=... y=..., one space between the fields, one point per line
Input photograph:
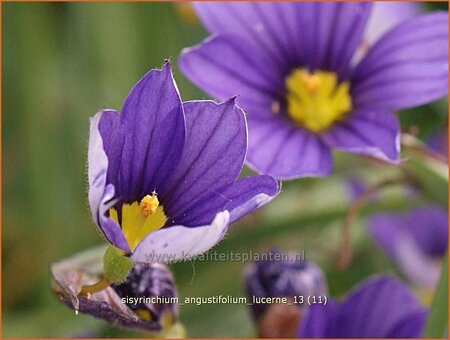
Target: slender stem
x=94 y=288
x=345 y=254
x=437 y=322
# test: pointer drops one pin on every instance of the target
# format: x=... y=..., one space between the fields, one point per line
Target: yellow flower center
x=140 y=219
x=316 y=100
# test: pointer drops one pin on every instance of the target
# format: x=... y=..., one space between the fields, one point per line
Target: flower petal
x=413 y=240
x=181 y=243
x=153 y=119
x=384 y=16
x=417 y=266
x=373 y=133
x=428 y=226
x=239 y=198
x=285 y=151
x=110 y=228
x=340 y=27
x=97 y=165
x=385 y=228
x=320 y=321
x=410 y=327
x=387 y=14
x=267 y=25
x=407 y=67
x=364 y=313
x=101 y=195
x=332 y=34
x=223 y=67
x=248 y=194
x=213 y=155
x=113 y=135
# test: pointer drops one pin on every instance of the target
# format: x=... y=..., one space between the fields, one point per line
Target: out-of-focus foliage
x=62 y=62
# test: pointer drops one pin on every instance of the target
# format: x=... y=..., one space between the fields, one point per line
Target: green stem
x=437 y=321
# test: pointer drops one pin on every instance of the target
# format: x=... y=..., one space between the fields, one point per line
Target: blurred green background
x=62 y=62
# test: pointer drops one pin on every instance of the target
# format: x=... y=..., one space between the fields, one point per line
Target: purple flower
x=414 y=240
x=380 y=307
x=162 y=173
x=290 y=64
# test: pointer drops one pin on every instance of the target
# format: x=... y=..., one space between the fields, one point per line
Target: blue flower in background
x=414 y=240
x=162 y=173
x=291 y=65
x=380 y=307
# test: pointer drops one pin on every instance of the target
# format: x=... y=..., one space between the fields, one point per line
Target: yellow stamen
x=312 y=81
x=316 y=100
x=140 y=219
x=149 y=204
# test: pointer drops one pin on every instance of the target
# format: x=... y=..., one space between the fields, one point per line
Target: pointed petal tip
x=167 y=66
x=232 y=102
x=165 y=70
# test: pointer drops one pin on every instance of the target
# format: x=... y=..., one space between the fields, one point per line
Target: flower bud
x=128 y=304
x=148 y=282
x=282 y=275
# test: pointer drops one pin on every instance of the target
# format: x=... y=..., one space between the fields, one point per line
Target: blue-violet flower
x=162 y=173
x=291 y=65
